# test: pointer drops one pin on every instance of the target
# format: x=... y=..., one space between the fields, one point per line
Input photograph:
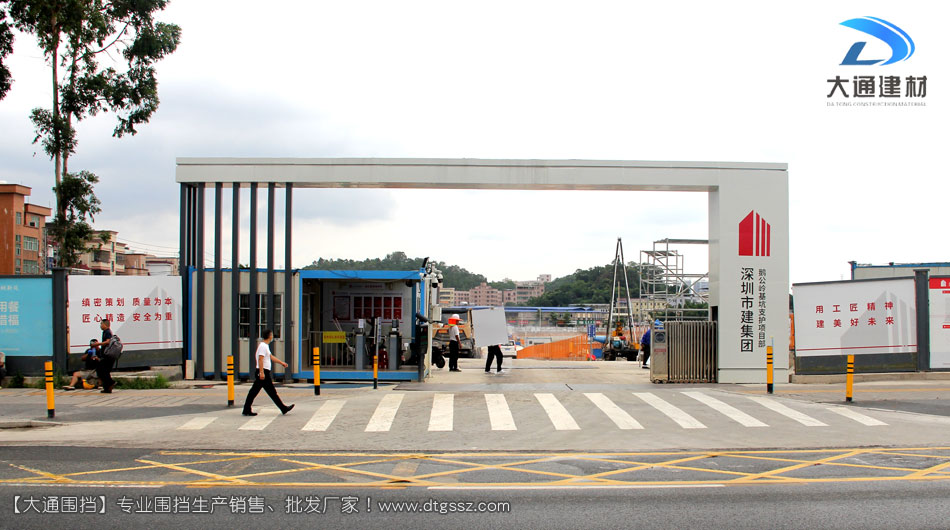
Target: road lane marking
x=726 y=409
x=382 y=419
x=442 y=412
x=559 y=416
x=499 y=414
x=195 y=424
x=775 y=406
x=258 y=423
x=324 y=416
x=856 y=416
x=620 y=417
x=674 y=413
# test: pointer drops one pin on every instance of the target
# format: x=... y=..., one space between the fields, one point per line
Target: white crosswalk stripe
x=775 y=406
x=856 y=416
x=654 y=407
x=726 y=409
x=324 y=416
x=382 y=419
x=498 y=413
x=196 y=424
x=260 y=422
x=559 y=416
x=671 y=411
x=442 y=412
x=620 y=417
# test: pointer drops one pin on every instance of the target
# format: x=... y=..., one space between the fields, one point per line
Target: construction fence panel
x=577 y=348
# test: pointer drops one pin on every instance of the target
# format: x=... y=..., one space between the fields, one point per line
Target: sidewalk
x=930 y=395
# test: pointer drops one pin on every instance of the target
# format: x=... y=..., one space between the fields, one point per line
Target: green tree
x=74 y=36
x=6 y=48
x=72 y=230
x=452 y=275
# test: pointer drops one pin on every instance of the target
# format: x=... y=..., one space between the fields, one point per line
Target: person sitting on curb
x=88 y=374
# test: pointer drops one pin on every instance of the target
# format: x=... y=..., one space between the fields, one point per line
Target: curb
x=23 y=424
x=865 y=378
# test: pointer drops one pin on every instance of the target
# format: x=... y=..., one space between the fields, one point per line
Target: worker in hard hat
x=455 y=343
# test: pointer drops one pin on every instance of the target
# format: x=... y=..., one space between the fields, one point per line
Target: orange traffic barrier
x=576 y=348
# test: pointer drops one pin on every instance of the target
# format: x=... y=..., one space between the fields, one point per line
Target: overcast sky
x=693 y=81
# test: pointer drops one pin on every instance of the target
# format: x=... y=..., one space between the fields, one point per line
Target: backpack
x=113 y=350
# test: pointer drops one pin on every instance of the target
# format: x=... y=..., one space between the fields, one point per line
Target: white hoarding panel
x=144 y=311
x=855 y=318
x=940 y=322
x=489 y=326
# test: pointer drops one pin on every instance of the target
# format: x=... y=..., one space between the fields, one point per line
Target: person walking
x=262 y=377
x=455 y=343
x=494 y=351
x=104 y=366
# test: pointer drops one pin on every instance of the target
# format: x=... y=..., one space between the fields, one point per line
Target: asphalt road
x=82 y=487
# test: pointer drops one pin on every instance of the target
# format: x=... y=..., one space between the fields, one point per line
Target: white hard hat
x=455 y=316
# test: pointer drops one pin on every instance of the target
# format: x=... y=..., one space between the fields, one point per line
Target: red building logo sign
x=755 y=236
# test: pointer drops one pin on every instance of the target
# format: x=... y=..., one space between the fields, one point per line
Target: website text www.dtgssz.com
x=442 y=507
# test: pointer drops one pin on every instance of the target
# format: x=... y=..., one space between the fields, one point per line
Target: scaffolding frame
x=663 y=278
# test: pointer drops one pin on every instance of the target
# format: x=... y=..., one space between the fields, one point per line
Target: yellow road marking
x=194 y=471
x=404 y=471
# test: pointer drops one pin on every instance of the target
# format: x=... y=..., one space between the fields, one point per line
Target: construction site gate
x=690 y=355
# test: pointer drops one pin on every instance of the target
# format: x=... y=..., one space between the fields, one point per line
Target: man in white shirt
x=262 y=377
x=455 y=343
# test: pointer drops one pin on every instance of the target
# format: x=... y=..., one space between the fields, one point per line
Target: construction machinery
x=619 y=339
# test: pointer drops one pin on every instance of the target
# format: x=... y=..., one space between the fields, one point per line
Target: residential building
x=526 y=290
x=110 y=257
x=447 y=296
x=161 y=266
x=485 y=294
x=22 y=232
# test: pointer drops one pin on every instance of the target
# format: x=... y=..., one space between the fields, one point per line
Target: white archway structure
x=748 y=221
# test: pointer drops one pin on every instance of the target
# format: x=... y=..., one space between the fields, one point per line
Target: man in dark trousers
x=455 y=343
x=262 y=377
x=494 y=351
x=104 y=367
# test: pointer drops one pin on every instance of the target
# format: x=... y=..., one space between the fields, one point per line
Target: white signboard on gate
x=855 y=317
x=940 y=322
x=144 y=311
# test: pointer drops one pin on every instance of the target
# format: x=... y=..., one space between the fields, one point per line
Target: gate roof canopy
x=468 y=173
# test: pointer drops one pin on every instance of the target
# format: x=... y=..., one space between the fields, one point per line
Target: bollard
x=849 y=382
x=230 y=380
x=316 y=371
x=375 y=371
x=769 y=372
x=50 y=405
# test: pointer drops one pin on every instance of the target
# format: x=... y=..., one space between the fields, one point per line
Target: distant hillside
x=452 y=275
x=586 y=286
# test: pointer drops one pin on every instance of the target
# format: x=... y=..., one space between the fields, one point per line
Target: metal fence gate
x=692 y=356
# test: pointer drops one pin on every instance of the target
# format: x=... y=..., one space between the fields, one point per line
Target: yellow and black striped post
x=769 y=371
x=849 y=381
x=316 y=371
x=230 y=380
x=375 y=371
x=50 y=405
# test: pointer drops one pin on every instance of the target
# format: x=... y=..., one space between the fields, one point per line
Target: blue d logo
x=902 y=47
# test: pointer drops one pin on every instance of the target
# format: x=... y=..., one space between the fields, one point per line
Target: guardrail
x=692 y=352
